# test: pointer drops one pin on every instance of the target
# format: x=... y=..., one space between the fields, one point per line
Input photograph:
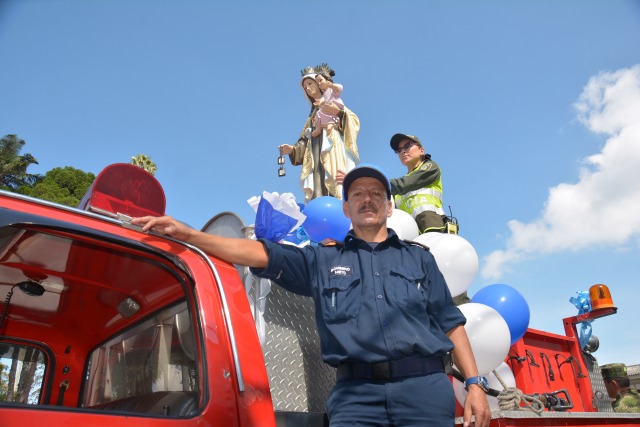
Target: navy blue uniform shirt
x=373 y=304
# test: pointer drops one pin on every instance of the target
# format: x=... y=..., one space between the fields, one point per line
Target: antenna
x=452 y=223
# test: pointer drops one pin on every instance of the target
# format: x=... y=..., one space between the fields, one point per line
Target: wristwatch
x=479 y=380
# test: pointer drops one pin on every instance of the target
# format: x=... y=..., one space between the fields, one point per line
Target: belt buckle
x=381 y=371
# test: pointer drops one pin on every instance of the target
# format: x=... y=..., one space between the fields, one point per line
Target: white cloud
x=603 y=207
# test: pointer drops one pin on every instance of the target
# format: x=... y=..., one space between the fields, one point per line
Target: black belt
x=393 y=369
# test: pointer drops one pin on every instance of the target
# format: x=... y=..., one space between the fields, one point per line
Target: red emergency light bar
x=123 y=188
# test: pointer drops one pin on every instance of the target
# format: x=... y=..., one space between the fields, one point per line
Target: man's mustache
x=368 y=206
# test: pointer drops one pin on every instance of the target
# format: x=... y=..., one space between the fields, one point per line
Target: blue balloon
x=325 y=219
x=511 y=305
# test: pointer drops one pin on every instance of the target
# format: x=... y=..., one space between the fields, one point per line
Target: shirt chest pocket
x=341 y=298
x=406 y=288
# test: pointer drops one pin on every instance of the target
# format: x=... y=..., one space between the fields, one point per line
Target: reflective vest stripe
x=428 y=191
x=419 y=209
x=421 y=200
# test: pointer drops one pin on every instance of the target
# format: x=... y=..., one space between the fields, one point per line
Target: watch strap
x=479 y=380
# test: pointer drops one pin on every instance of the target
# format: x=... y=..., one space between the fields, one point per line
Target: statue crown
x=318 y=69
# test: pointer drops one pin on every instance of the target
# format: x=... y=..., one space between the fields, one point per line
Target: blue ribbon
x=583 y=304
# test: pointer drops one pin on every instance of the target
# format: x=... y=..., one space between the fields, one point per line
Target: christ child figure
x=330 y=95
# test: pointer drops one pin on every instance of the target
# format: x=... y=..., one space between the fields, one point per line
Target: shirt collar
x=351 y=241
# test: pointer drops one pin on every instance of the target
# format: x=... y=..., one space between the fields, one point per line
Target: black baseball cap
x=395 y=140
x=361 y=171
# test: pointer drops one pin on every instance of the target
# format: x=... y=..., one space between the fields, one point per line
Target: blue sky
x=531 y=108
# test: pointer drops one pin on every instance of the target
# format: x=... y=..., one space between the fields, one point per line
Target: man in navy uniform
x=384 y=313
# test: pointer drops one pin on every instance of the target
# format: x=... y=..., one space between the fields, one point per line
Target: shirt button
x=376 y=274
x=386 y=323
x=379 y=297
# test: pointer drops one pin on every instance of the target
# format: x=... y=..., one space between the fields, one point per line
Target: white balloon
x=456 y=259
x=503 y=371
x=403 y=224
x=459 y=391
x=488 y=334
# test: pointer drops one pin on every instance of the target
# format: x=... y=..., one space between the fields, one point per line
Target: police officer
x=619 y=388
x=384 y=313
x=419 y=192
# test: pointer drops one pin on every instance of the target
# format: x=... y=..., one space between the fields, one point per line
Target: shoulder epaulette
x=414 y=243
x=331 y=242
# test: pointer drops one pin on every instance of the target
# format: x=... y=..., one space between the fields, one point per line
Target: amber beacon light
x=600 y=297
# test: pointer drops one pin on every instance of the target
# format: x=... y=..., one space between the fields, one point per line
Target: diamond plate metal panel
x=300 y=381
x=601 y=398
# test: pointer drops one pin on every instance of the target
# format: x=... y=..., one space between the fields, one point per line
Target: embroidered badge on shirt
x=340 y=271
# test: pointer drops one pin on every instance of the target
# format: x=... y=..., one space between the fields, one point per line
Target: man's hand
x=476 y=404
x=164 y=225
x=340 y=174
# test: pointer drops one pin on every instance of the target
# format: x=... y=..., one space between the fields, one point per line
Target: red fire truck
x=104 y=325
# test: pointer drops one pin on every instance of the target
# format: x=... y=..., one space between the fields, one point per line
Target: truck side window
x=22 y=370
x=157 y=355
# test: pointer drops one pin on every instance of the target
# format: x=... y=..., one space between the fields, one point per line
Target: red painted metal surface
x=544 y=363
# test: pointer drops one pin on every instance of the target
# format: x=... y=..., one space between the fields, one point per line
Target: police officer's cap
x=398 y=137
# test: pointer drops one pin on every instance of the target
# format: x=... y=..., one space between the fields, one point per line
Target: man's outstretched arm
x=236 y=251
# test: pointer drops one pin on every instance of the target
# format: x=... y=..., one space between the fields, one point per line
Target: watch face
x=480 y=381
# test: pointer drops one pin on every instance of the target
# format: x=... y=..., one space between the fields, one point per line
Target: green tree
x=13 y=166
x=4 y=382
x=143 y=161
x=65 y=186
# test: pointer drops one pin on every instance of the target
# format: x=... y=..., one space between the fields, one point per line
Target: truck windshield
x=156 y=355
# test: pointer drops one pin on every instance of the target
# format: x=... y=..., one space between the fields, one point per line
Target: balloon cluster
x=510 y=304
x=497 y=316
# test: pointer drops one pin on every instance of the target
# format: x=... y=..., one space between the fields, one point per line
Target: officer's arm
x=237 y=251
x=421 y=178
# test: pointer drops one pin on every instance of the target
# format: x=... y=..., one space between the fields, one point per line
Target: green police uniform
x=419 y=193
